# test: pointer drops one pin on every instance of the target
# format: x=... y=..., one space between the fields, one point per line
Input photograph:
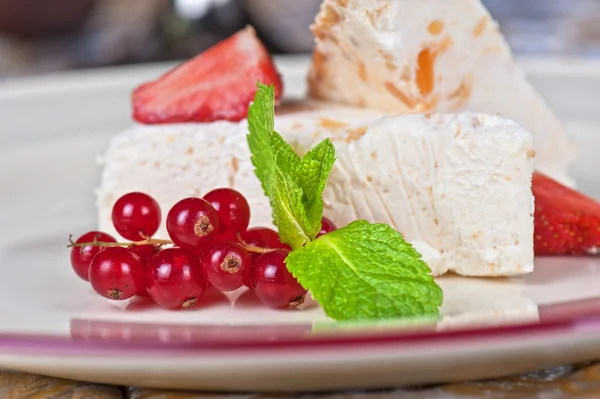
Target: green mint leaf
x=274 y=160
x=297 y=212
x=366 y=271
x=289 y=214
x=261 y=123
x=312 y=173
x=285 y=157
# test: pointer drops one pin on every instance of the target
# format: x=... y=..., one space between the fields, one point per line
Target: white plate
x=53 y=128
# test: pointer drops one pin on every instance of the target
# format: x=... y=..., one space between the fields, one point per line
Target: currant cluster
x=210 y=245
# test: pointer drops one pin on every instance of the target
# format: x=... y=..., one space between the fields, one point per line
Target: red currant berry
x=327 y=226
x=81 y=257
x=192 y=223
x=274 y=285
x=227 y=235
x=232 y=208
x=136 y=215
x=145 y=253
x=247 y=276
x=116 y=273
x=263 y=237
x=225 y=263
x=174 y=279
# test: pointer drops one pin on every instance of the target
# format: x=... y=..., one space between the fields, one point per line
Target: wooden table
x=580 y=381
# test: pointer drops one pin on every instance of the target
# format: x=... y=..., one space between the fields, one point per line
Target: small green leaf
x=288 y=212
x=366 y=271
x=312 y=174
x=285 y=157
x=261 y=124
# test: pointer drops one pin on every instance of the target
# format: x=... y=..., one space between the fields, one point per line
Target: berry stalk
x=96 y=243
x=152 y=241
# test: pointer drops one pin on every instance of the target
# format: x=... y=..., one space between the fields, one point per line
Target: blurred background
x=41 y=36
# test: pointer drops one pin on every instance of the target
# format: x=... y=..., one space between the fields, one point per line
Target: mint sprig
x=362 y=271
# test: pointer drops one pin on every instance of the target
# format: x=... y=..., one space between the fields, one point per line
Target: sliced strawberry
x=566 y=221
x=218 y=84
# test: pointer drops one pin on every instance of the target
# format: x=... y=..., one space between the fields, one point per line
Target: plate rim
x=586 y=318
x=567 y=318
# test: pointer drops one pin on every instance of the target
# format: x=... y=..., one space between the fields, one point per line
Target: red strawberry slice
x=218 y=84
x=566 y=221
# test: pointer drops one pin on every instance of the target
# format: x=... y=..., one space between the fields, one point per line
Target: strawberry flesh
x=566 y=221
x=218 y=84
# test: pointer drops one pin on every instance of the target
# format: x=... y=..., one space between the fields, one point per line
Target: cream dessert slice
x=457 y=186
x=416 y=56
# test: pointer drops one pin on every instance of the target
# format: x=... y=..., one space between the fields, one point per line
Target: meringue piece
x=461 y=184
x=415 y=56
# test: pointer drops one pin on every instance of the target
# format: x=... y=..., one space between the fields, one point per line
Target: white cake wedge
x=440 y=56
x=457 y=186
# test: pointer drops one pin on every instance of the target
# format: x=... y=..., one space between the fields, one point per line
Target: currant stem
x=148 y=241
x=155 y=241
x=252 y=248
x=257 y=250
